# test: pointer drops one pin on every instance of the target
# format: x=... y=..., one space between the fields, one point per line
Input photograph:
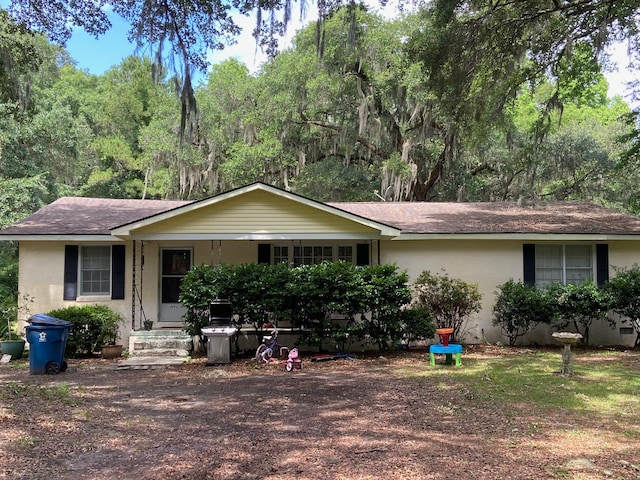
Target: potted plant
x=8 y=345
x=148 y=324
x=111 y=321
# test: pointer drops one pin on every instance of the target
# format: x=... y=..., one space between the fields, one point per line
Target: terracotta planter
x=444 y=333
x=15 y=348
x=112 y=351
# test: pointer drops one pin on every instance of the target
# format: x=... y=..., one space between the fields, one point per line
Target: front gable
x=257 y=212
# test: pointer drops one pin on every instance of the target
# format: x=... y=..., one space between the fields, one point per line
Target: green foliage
x=367 y=299
x=519 y=308
x=428 y=106
x=451 y=301
x=93 y=327
x=20 y=198
x=331 y=180
x=201 y=285
x=384 y=291
x=417 y=324
x=579 y=306
x=625 y=292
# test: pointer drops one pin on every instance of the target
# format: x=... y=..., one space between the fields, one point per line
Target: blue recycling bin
x=47 y=337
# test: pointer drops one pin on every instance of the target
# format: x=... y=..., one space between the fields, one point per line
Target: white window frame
x=552 y=267
x=313 y=253
x=92 y=266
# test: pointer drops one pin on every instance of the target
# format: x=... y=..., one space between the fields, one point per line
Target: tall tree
x=478 y=54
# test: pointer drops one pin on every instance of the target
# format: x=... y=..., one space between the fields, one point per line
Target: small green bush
x=417 y=324
x=579 y=306
x=451 y=301
x=93 y=327
x=519 y=308
x=625 y=292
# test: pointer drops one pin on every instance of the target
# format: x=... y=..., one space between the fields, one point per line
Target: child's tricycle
x=292 y=361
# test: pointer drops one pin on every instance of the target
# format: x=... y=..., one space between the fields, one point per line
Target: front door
x=175 y=265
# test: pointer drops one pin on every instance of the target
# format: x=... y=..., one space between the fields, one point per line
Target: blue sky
x=98 y=55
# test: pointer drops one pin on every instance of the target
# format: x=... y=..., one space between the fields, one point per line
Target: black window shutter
x=602 y=263
x=264 y=253
x=117 y=272
x=70 y=291
x=362 y=254
x=529 y=263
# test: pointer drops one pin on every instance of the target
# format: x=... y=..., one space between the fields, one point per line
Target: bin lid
x=42 y=319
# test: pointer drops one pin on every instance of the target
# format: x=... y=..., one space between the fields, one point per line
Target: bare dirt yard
x=371 y=418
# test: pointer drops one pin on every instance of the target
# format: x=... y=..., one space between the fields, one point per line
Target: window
x=563 y=264
x=308 y=255
x=313 y=254
x=95 y=270
x=280 y=254
x=345 y=253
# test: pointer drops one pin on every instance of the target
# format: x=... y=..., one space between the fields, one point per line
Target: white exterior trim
x=253 y=236
x=63 y=238
x=537 y=237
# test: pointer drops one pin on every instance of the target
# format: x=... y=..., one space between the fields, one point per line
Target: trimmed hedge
x=93 y=327
x=369 y=300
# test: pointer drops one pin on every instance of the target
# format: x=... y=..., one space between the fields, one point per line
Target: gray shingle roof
x=87 y=216
x=497 y=217
x=96 y=216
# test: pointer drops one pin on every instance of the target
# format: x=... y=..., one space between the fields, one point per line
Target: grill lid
x=220 y=312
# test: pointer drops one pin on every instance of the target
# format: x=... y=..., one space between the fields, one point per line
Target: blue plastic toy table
x=449 y=351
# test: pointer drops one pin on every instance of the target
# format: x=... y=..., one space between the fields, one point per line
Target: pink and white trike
x=292 y=361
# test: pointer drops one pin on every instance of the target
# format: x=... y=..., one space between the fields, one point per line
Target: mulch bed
x=373 y=417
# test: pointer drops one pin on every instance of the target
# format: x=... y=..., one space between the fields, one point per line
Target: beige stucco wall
x=490 y=263
x=41 y=281
x=487 y=263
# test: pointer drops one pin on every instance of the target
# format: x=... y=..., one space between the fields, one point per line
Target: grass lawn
x=505 y=413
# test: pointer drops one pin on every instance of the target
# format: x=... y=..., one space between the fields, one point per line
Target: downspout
x=378 y=251
x=133 y=289
x=143 y=316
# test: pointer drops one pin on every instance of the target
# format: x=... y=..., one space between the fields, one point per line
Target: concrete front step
x=160 y=352
x=160 y=343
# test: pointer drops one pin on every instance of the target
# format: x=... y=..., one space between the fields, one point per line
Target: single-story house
x=132 y=254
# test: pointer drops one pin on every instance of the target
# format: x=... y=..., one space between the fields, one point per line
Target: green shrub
x=579 y=306
x=625 y=296
x=519 y=308
x=417 y=324
x=384 y=292
x=201 y=285
x=306 y=295
x=451 y=301
x=93 y=327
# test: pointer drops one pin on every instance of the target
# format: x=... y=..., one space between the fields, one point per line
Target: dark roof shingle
x=497 y=217
x=88 y=216
x=96 y=216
